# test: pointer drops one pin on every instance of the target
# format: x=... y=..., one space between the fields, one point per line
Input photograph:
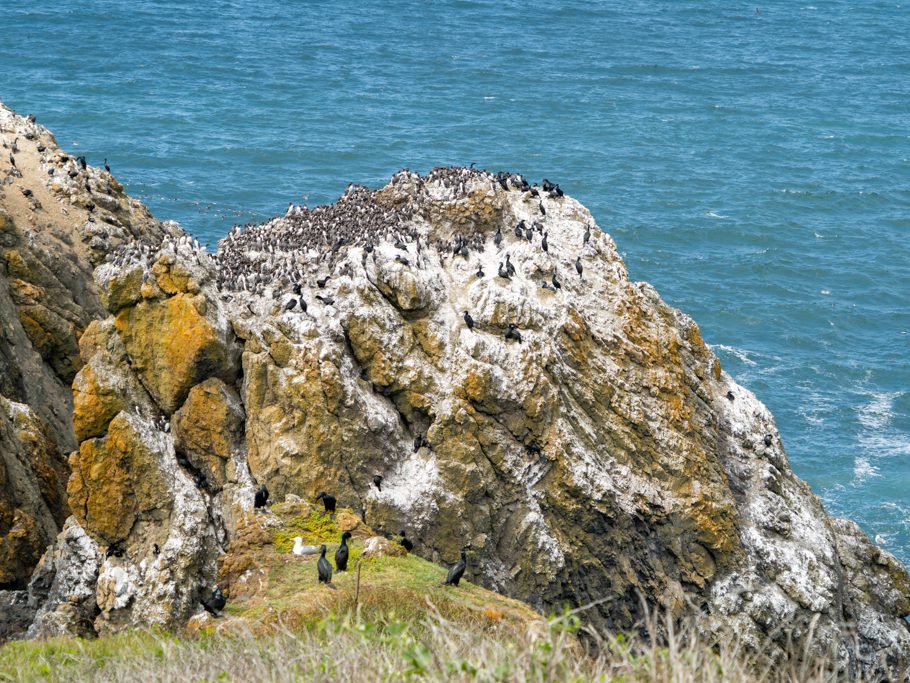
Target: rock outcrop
x=57 y=220
x=579 y=436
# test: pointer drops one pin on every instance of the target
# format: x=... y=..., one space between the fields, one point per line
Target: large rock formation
x=57 y=221
x=605 y=456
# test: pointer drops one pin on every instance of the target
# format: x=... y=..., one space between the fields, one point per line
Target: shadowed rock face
x=605 y=455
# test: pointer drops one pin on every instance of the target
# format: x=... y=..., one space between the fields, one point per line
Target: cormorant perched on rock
x=321 y=281
x=456 y=572
x=587 y=235
x=262 y=498
x=216 y=603
x=303 y=305
x=12 y=161
x=503 y=272
x=547 y=185
x=730 y=395
x=543 y=211
x=468 y=320
x=155 y=549
x=402 y=260
x=327 y=300
x=297 y=289
x=479 y=272
x=419 y=441
x=513 y=333
x=556 y=283
x=578 y=266
x=106 y=167
x=543 y=243
x=323 y=567
x=290 y=305
x=497 y=238
x=341 y=554
x=405 y=541
x=510 y=269
x=14 y=147
x=377 y=481
x=519 y=229
x=115 y=549
x=328 y=501
x=768 y=439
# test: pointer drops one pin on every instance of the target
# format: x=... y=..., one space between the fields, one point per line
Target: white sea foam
x=741 y=354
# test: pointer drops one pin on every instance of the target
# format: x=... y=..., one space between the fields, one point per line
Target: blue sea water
x=752 y=161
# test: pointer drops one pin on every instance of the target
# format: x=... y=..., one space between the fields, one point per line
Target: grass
x=406 y=626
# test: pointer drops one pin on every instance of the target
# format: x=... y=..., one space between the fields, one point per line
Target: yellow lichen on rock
x=173 y=346
x=208 y=428
x=114 y=480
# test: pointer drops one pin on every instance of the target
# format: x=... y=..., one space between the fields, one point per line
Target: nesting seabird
x=405 y=541
x=377 y=481
x=578 y=267
x=261 y=499
x=214 y=604
x=468 y=320
x=513 y=333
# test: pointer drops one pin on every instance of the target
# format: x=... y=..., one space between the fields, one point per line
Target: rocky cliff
x=578 y=436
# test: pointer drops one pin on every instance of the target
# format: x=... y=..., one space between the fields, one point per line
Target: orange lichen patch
x=173 y=346
x=115 y=480
x=94 y=405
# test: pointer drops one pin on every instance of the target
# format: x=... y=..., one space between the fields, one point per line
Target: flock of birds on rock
x=301 y=251
x=217 y=601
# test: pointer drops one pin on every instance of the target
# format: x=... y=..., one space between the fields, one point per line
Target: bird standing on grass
x=323 y=567
x=341 y=554
x=328 y=501
x=456 y=572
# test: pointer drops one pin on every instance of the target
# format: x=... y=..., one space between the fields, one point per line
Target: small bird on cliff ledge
x=216 y=603
x=261 y=499
x=377 y=481
x=328 y=501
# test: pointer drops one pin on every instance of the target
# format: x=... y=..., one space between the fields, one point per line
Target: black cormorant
x=578 y=266
x=543 y=243
x=262 y=498
x=341 y=554
x=328 y=500
x=323 y=567
x=513 y=333
x=768 y=439
x=321 y=282
x=456 y=572
x=216 y=603
x=468 y=320
x=377 y=481
x=405 y=541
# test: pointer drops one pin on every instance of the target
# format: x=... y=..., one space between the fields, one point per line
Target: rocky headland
x=597 y=453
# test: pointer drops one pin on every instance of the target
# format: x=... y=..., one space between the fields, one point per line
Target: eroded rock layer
x=476 y=342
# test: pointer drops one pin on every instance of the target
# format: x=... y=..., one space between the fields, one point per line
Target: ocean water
x=752 y=161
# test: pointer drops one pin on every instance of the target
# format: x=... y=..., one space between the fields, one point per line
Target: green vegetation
x=403 y=625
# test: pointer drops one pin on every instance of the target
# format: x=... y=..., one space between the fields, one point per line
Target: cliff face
x=49 y=244
x=603 y=456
